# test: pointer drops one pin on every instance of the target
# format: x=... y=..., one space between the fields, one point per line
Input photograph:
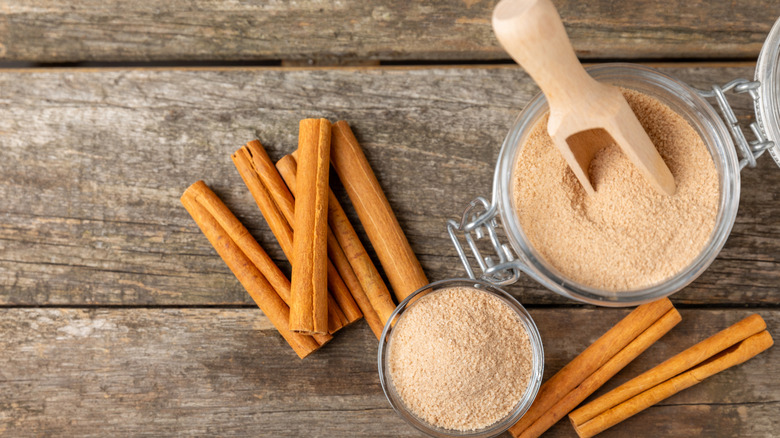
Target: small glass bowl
x=537 y=362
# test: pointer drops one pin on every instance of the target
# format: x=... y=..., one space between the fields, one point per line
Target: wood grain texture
x=185 y=372
x=147 y=30
x=94 y=163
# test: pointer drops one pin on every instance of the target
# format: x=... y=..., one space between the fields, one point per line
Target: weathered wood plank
x=94 y=163
x=95 y=30
x=185 y=372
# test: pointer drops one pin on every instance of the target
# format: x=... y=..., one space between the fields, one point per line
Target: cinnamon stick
x=284 y=200
x=734 y=355
x=679 y=363
x=287 y=166
x=309 y=308
x=250 y=277
x=246 y=243
x=367 y=273
x=240 y=235
x=591 y=359
x=339 y=260
x=397 y=258
x=242 y=159
x=600 y=376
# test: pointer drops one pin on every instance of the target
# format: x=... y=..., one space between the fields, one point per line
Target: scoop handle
x=532 y=32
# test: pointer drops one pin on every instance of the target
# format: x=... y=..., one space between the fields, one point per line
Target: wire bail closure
x=748 y=151
x=479 y=223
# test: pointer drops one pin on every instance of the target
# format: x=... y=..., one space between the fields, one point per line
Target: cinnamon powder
x=460 y=359
x=626 y=236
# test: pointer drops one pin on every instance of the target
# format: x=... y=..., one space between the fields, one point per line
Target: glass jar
x=722 y=136
x=537 y=361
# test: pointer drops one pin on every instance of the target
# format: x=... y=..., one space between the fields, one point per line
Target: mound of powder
x=460 y=358
x=626 y=236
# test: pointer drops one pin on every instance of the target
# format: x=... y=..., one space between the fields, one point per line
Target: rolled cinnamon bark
x=282 y=196
x=242 y=159
x=370 y=278
x=287 y=166
x=393 y=249
x=248 y=245
x=341 y=263
x=601 y=375
x=675 y=365
x=240 y=235
x=309 y=308
x=733 y=355
x=250 y=277
x=591 y=359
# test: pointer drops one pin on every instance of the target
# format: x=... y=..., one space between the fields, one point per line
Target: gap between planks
x=356 y=68
x=239 y=306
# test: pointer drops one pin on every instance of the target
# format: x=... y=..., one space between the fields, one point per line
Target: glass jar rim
x=537 y=365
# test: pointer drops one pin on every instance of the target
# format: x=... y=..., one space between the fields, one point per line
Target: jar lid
x=768 y=104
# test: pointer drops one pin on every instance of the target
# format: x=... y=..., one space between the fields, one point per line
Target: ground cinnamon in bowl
x=460 y=359
x=626 y=236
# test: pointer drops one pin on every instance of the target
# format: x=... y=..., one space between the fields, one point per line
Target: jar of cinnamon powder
x=624 y=246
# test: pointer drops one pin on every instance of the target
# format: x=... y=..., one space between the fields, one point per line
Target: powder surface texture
x=626 y=236
x=460 y=358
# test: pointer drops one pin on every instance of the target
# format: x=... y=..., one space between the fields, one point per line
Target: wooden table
x=118 y=319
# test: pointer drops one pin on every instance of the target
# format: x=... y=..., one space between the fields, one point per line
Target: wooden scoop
x=585 y=115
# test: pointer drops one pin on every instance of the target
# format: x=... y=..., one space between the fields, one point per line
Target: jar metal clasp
x=479 y=224
x=748 y=151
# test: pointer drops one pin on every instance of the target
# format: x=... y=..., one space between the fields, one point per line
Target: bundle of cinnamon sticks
x=598 y=363
x=729 y=347
x=334 y=282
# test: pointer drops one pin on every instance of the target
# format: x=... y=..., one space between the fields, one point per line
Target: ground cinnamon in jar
x=626 y=236
x=460 y=358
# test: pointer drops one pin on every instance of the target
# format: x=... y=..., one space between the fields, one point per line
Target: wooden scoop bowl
x=585 y=115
